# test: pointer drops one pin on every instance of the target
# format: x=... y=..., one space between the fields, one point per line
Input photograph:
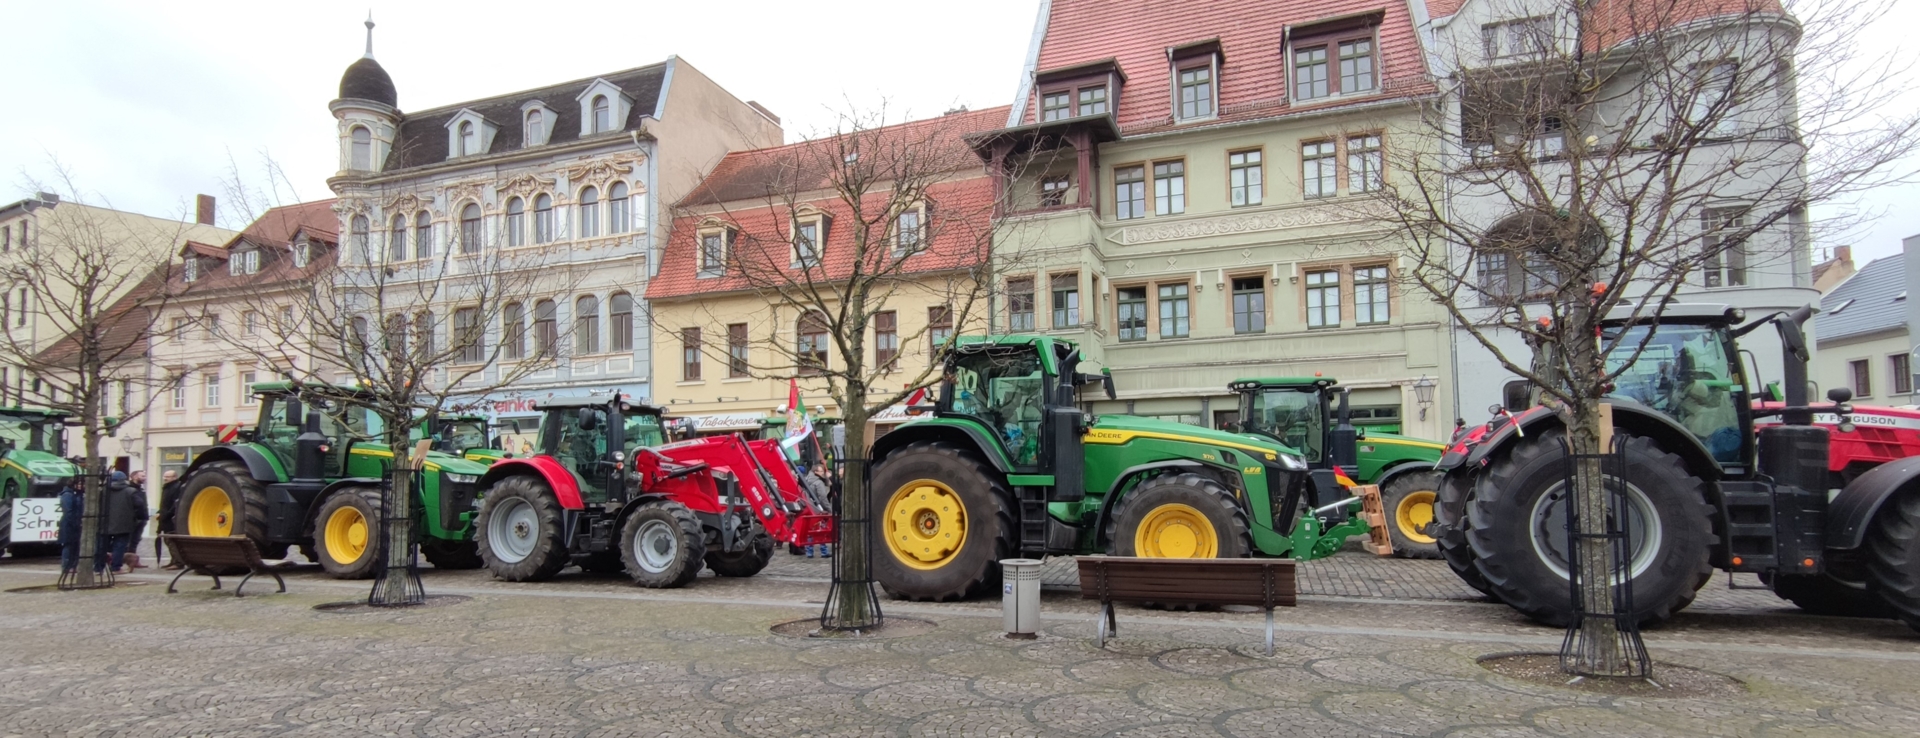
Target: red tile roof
x=1616 y=21
x=1138 y=33
x=750 y=190
x=1443 y=8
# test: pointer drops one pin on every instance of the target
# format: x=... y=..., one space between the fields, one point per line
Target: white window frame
x=210 y=381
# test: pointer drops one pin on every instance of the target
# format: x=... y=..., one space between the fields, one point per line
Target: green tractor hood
x=40 y=464
x=1121 y=428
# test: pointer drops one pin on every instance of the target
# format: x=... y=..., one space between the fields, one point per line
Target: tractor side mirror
x=588 y=419
x=1792 y=336
x=1106 y=381
x=1839 y=395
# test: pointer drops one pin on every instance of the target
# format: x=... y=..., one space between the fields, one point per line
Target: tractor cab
x=592 y=437
x=284 y=411
x=466 y=436
x=1687 y=367
x=33 y=444
x=1306 y=414
x=1025 y=392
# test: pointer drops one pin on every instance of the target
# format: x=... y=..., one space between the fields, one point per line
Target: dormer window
x=1196 y=93
x=1196 y=75
x=469 y=134
x=191 y=270
x=361 y=159
x=1078 y=91
x=536 y=123
x=244 y=262
x=1335 y=58
x=603 y=108
x=469 y=141
x=1056 y=105
x=910 y=231
x=302 y=254
x=809 y=236
x=716 y=239
x=536 y=127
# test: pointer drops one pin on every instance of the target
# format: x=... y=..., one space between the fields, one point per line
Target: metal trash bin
x=1020 y=597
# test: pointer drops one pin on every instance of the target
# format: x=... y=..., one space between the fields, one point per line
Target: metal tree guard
x=89 y=552
x=832 y=618
x=1592 y=636
x=408 y=590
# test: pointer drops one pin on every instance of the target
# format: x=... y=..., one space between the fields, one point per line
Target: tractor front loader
x=1008 y=464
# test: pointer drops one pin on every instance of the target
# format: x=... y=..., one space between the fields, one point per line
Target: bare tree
x=828 y=236
x=408 y=339
x=1593 y=158
x=89 y=287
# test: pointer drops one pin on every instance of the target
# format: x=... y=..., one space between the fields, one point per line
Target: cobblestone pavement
x=591 y=656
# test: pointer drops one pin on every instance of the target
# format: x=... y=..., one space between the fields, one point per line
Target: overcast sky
x=146 y=102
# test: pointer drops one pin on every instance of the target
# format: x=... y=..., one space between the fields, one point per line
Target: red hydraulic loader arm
x=776 y=497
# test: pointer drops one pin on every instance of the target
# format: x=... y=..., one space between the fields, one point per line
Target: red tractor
x=604 y=492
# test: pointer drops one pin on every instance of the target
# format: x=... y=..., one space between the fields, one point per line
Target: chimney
x=1843 y=254
x=203 y=210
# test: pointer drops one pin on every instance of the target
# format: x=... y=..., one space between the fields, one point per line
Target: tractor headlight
x=1293 y=463
x=461 y=478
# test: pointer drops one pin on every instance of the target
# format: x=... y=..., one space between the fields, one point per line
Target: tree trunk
x=1598 y=650
x=854 y=604
x=93 y=500
x=396 y=584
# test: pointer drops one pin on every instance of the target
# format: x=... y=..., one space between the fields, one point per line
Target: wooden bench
x=1263 y=583
x=214 y=555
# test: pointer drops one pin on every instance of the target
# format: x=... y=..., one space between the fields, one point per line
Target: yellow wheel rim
x=1176 y=532
x=1414 y=514
x=211 y=513
x=926 y=524
x=346 y=535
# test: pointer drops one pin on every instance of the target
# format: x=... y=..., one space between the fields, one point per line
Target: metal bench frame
x=1263 y=583
x=205 y=555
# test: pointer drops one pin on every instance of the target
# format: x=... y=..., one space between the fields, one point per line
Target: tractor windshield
x=1291 y=416
x=1004 y=391
x=466 y=433
x=28 y=433
x=643 y=429
x=1685 y=372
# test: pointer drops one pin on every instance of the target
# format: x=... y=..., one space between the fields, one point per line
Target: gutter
x=1020 y=95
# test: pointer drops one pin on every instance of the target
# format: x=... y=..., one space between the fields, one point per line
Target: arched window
x=602 y=117
x=422 y=235
x=620 y=323
x=546 y=334
x=517 y=221
x=469 y=143
x=362 y=157
x=423 y=330
x=513 y=331
x=536 y=128
x=394 y=337
x=589 y=213
x=812 y=348
x=619 y=216
x=586 y=325
x=470 y=229
x=543 y=219
x=358 y=230
x=397 y=239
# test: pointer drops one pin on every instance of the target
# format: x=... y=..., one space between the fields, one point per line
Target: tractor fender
x=328 y=491
x=258 y=466
x=1628 y=417
x=1133 y=473
x=1852 y=511
x=565 y=488
x=963 y=435
x=1405 y=467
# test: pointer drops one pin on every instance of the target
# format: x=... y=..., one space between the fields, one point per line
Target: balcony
x=1044 y=167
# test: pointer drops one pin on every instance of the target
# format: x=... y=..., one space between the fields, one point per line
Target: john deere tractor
x=467 y=436
x=309 y=475
x=31 y=445
x=1310 y=415
x=1010 y=465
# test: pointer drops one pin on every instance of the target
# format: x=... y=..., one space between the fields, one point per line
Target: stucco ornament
x=525 y=186
x=1232 y=224
x=603 y=170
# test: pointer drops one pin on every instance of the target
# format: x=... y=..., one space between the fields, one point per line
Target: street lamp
x=1423 y=393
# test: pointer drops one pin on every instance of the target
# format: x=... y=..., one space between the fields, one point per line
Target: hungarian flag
x=797 y=426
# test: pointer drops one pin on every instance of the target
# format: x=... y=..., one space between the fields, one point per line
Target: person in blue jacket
x=71 y=502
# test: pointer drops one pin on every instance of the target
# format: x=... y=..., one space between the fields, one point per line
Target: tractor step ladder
x=1752 y=542
x=1033 y=518
x=1374 y=512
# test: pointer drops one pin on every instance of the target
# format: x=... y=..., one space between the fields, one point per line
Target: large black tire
x=663 y=545
x=518 y=530
x=1451 y=523
x=956 y=552
x=745 y=562
x=1516 y=519
x=1411 y=501
x=1893 y=556
x=242 y=513
x=1157 y=520
x=1825 y=594
x=446 y=554
x=346 y=533
x=6 y=520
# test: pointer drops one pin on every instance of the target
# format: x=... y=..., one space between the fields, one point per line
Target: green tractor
x=1008 y=465
x=467 y=436
x=309 y=475
x=1309 y=414
x=32 y=443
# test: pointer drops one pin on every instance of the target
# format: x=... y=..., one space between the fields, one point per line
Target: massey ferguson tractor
x=1826 y=518
x=32 y=443
x=604 y=492
x=1308 y=414
x=1009 y=465
x=309 y=474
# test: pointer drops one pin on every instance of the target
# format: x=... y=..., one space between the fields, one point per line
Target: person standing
x=126 y=515
x=71 y=502
x=137 y=480
x=816 y=484
x=169 y=497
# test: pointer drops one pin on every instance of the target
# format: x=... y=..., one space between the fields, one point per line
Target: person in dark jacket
x=126 y=515
x=71 y=502
x=169 y=499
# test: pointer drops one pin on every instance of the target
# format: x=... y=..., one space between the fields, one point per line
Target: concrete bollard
x=1020 y=597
